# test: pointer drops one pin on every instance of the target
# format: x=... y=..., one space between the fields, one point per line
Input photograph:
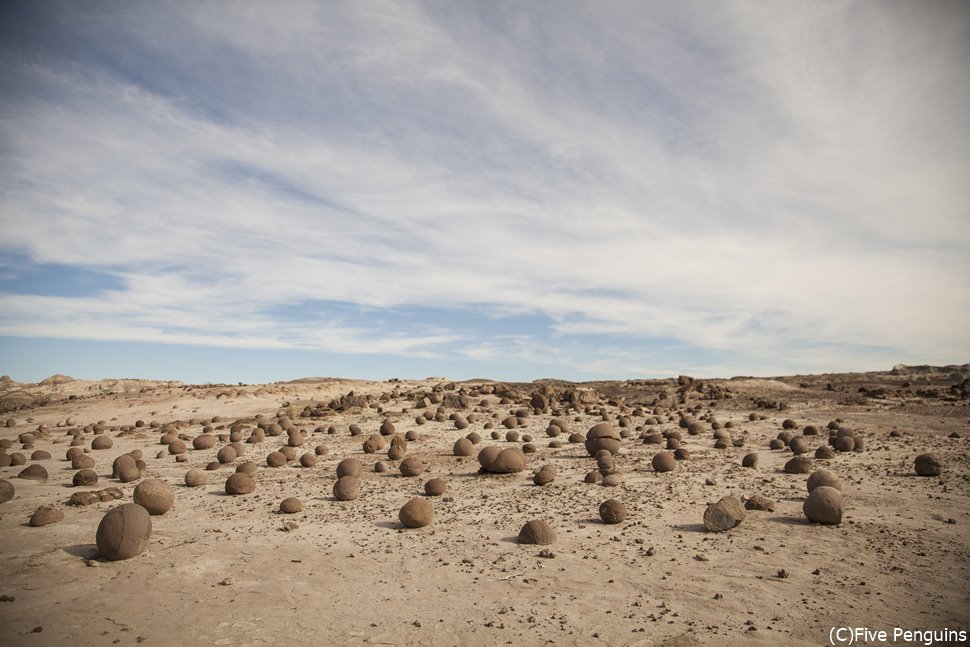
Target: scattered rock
x=46 y=514
x=537 y=532
x=824 y=505
x=155 y=495
x=724 y=515
x=928 y=465
x=124 y=532
x=612 y=511
x=416 y=513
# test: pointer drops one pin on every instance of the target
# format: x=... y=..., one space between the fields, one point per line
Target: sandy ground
x=222 y=570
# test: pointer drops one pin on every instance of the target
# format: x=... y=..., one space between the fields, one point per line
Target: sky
x=256 y=191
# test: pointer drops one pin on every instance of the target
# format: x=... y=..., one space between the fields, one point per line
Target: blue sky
x=229 y=191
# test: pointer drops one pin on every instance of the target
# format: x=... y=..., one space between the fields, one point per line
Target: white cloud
x=748 y=179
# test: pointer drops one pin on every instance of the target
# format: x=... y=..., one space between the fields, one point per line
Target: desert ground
x=222 y=569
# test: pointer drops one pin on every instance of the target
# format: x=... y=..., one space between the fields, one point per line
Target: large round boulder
x=416 y=513
x=928 y=465
x=124 y=532
x=824 y=505
x=155 y=495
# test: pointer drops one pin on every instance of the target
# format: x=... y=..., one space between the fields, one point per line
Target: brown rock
x=155 y=495
x=928 y=465
x=824 y=505
x=612 y=511
x=85 y=477
x=724 y=515
x=349 y=467
x=750 y=460
x=346 y=488
x=291 y=505
x=799 y=465
x=435 y=487
x=7 y=490
x=759 y=502
x=824 y=477
x=663 y=462
x=537 y=532
x=124 y=532
x=240 y=483
x=33 y=473
x=416 y=513
x=196 y=478
x=46 y=514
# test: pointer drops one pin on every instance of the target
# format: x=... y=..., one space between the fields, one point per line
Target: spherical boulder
x=196 y=478
x=545 y=475
x=487 y=455
x=824 y=477
x=824 y=505
x=750 y=460
x=276 y=459
x=508 y=461
x=346 y=488
x=663 y=462
x=85 y=477
x=124 y=532
x=602 y=436
x=799 y=465
x=435 y=487
x=249 y=467
x=129 y=473
x=155 y=495
x=46 y=514
x=928 y=465
x=226 y=455
x=416 y=513
x=463 y=447
x=798 y=445
x=349 y=467
x=291 y=505
x=824 y=452
x=6 y=490
x=724 y=515
x=612 y=511
x=101 y=442
x=308 y=460
x=240 y=483
x=412 y=466
x=537 y=532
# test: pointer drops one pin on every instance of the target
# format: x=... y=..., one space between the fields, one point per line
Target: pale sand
x=220 y=571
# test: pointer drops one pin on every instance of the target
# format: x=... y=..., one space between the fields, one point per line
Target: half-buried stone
x=33 y=472
x=545 y=475
x=799 y=465
x=537 y=532
x=85 y=477
x=195 y=478
x=291 y=505
x=663 y=462
x=45 y=515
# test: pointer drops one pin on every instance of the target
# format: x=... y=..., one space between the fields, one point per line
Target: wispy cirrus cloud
x=741 y=188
